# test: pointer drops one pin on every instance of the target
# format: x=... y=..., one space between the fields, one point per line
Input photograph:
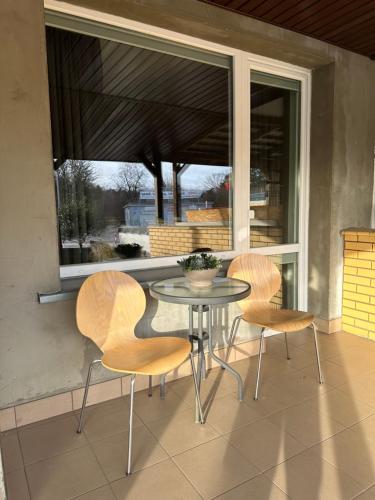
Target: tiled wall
x=358 y=313
x=34 y=411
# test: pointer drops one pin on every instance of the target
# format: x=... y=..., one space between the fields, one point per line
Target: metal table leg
x=201 y=361
x=220 y=361
x=200 y=352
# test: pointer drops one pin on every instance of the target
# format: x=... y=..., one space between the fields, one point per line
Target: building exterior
x=143 y=212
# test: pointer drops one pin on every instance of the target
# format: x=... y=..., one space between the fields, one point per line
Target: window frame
x=242 y=64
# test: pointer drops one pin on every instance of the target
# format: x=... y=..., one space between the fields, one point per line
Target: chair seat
x=154 y=356
x=283 y=320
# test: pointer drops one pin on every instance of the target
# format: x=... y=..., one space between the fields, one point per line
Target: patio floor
x=300 y=440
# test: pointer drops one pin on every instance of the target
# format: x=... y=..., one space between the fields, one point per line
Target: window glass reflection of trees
x=105 y=209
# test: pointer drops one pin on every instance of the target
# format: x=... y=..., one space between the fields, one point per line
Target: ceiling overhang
x=345 y=23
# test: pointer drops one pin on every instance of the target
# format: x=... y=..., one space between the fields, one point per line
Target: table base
x=201 y=358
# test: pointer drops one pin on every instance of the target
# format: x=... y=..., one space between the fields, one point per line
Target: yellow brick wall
x=358 y=311
x=209 y=215
x=172 y=240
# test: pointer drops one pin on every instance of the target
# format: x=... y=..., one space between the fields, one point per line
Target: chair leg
x=232 y=336
x=286 y=346
x=317 y=355
x=203 y=367
x=197 y=394
x=130 y=438
x=80 y=424
x=259 y=364
x=162 y=386
x=150 y=386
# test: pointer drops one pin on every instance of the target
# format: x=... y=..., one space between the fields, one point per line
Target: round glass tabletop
x=178 y=291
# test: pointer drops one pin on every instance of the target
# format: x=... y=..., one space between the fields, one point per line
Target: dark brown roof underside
x=349 y=24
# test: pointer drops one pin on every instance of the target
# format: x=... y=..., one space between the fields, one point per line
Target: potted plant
x=129 y=250
x=200 y=270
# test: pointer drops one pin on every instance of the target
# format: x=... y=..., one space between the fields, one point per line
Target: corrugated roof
x=121 y=102
x=115 y=102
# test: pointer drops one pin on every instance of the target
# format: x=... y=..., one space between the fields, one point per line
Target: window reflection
x=142 y=149
x=274 y=160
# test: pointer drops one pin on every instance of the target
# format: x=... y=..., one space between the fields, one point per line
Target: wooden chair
x=109 y=306
x=265 y=281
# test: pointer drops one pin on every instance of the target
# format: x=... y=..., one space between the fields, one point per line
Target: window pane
x=274 y=160
x=142 y=149
x=287 y=296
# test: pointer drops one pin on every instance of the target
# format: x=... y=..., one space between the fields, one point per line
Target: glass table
x=222 y=291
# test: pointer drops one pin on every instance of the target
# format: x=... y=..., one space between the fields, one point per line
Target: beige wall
x=41 y=351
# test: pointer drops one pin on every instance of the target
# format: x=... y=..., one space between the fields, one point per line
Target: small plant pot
x=202 y=278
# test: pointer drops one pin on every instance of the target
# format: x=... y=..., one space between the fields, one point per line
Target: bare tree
x=131 y=179
x=217 y=189
x=78 y=207
x=213 y=182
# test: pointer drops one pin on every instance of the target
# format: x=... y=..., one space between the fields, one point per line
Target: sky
x=193 y=178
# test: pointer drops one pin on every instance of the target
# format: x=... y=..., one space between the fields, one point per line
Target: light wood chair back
x=109 y=305
x=260 y=272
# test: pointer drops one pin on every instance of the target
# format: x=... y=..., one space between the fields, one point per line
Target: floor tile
x=103 y=493
x=49 y=439
x=299 y=385
x=342 y=340
x=180 y=432
x=308 y=477
x=215 y=467
x=228 y=413
x=362 y=386
x=351 y=451
x=271 y=366
x=271 y=398
x=356 y=361
x=334 y=375
x=16 y=483
x=224 y=457
x=298 y=357
x=106 y=419
x=218 y=383
x=154 y=408
x=342 y=407
x=300 y=338
x=259 y=488
x=306 y=423
x=367 y=427
x=164 y=481
x=66 y=476
x=367 y=495
x=264 y=444
x=327 y=348
x=11 y=451
x=112 y=452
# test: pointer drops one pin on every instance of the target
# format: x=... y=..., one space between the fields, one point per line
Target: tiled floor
x=300 y=440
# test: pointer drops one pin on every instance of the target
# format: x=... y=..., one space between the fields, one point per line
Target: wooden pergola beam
x=154 y=167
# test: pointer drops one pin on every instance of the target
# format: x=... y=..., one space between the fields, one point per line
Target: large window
x=142 y=147
x=145 y=160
